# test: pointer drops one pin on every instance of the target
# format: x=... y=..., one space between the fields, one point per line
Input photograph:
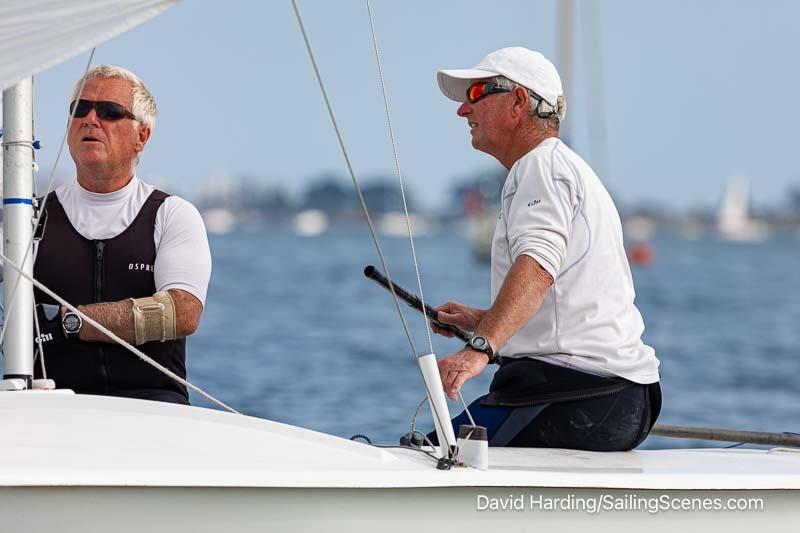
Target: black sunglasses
x=105 y=110
x=482 y=89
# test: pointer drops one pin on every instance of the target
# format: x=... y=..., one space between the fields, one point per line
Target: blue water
x=294 y=332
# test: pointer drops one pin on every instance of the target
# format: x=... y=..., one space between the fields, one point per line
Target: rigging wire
x=403 y=193
x=147 y=359
x=411 y=448
x=50 y=181
x=364 y=208
x=397 y=171
x=466 y=410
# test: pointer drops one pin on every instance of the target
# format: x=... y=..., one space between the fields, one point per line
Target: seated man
x=131 y=257
x=574 y=372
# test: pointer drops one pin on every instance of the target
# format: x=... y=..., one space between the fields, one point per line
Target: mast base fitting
x=445 y=463
x=15 y=382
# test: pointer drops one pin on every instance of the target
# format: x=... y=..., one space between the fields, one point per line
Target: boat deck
x=56 y=438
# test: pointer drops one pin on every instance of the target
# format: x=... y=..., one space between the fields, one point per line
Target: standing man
x=574 y=372
x=131 y=257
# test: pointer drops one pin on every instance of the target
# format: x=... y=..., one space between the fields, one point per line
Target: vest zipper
x=98 y=297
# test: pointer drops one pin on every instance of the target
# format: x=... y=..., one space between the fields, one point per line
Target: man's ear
x=144 y=134
x=521 y=98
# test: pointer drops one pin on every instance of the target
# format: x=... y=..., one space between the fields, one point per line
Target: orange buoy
x=641 y=254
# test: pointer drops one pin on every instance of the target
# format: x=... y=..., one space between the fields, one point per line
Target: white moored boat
x=73 y=462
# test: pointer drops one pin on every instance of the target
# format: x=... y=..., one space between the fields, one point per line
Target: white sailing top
x=556 y=210
x=183 y=258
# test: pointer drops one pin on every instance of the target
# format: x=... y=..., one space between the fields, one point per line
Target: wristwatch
x=482 y=345
x=72 y=323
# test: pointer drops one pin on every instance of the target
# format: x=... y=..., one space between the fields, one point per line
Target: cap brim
x=454 y=83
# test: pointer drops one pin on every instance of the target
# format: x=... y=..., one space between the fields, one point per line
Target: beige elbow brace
x=154 y=318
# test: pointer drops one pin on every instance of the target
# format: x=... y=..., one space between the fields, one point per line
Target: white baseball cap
x=528 y=68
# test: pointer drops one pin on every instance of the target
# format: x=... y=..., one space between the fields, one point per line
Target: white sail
x=38 y=34
x=733 y=218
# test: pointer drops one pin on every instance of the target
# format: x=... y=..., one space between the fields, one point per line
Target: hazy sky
x=692 y=92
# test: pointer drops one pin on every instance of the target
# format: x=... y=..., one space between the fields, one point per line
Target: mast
x=17 y=145
x=565 y=45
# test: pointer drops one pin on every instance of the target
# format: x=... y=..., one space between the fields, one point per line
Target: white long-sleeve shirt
x=556 y=210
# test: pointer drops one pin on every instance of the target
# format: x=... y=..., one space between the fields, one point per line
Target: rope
x=362 y=437
x=18 y=143
x=412 y=448
x=364 y=208
x=120 y=341
x=50 y=180
x=466 y=409
x=416 y=414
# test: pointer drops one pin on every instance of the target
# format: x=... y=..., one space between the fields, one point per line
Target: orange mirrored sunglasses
x=482 y=89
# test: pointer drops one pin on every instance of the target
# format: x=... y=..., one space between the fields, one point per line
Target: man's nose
x=91 y=117
x=464 y=109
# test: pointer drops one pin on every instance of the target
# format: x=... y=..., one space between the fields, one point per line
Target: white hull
x=83 y=463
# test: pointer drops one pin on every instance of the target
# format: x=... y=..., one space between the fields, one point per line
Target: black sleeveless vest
x=84 y=271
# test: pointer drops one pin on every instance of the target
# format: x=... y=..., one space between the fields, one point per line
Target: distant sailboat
x=310 y=223
x=733 y=219
x=220 y=221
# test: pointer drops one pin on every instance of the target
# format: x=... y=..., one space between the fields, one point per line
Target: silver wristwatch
x=480 y=344
x=72 y=323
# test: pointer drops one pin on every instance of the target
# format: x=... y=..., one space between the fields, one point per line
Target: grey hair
x=144 y=105
x=538 y=107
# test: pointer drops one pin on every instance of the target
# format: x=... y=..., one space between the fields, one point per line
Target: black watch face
x=72 y=322
x=478 y=342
